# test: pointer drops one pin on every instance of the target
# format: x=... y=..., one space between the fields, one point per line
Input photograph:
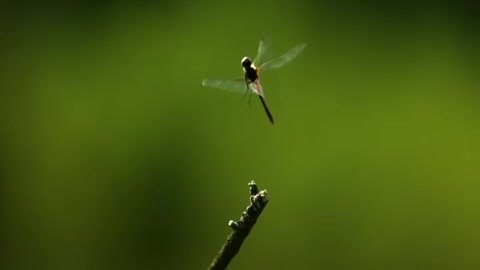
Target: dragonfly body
x=252 y=69
x=253 y=81
x=251 y=74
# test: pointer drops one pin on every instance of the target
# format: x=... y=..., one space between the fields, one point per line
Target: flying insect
x=253 y=69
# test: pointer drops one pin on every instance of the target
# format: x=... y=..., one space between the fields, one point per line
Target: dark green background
x=113 y=156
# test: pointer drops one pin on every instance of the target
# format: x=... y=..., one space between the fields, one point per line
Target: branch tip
x=241 y=228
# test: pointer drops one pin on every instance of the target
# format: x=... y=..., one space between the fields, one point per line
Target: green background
x=113 y=156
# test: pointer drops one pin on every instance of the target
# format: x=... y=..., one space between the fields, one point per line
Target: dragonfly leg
x=244 y=95
x=247 y=91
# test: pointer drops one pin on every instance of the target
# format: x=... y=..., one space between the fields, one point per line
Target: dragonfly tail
x=270 y=117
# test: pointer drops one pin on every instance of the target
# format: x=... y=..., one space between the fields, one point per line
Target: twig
x=241 y=228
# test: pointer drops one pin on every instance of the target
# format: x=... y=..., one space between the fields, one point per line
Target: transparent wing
x=237 y=85
x=284 y=59
x=257 y=88
x=264 y=51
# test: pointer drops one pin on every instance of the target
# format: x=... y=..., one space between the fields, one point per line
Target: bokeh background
x=113 y=156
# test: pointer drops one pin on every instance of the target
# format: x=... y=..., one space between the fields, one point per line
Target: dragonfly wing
x=284 y=59
x=264 y=51
x=238 y=85
x=257 y=88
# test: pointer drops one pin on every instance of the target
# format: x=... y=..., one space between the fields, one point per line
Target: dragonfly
x=253 y=69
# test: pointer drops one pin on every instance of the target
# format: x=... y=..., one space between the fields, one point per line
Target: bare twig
x=241 y=228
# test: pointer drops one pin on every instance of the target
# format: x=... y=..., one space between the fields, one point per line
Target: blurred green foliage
x=113 y=156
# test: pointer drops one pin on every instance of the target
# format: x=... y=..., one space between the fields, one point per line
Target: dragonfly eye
x=246 y=62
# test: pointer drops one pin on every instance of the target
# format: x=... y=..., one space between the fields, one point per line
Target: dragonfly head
x=246 y=62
